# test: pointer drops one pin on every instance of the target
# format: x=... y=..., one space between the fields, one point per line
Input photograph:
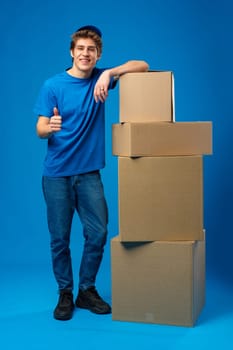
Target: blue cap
x=92 y=28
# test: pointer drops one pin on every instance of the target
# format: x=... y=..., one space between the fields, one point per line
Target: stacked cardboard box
x=158 y=258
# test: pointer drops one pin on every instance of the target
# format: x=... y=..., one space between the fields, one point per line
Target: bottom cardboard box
x=158 y=282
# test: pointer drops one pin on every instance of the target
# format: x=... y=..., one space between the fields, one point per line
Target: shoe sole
x=63 y=318
x=94 y=310
x=60 y=318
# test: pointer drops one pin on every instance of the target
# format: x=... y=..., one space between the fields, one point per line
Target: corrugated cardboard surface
x=158 y=282
x=146 y=96
x=161 y=139
x=160 y=198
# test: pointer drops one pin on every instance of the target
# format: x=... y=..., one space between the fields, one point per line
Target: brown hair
x=86 y=33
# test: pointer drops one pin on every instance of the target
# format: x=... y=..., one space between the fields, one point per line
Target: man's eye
x=89 y=49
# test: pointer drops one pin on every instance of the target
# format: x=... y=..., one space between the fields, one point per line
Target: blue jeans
x=83 y=193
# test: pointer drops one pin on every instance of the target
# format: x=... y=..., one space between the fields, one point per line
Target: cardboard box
x=147 y=96
x=161 y=139
x=158 y=282
x=160 y=198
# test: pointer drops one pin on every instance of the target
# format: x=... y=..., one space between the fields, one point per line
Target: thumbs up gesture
x=55 y=121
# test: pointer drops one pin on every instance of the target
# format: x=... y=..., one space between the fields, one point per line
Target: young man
x=70 y=110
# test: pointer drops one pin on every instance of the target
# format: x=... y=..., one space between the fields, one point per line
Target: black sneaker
x=90 y=299
x=65 y=306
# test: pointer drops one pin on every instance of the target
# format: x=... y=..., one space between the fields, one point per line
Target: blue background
x=191 y=38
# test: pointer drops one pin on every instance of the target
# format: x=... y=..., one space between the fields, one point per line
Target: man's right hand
x=47 y=126
x=55 y=122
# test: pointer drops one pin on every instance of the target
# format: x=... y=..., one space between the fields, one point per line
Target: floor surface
x=28 y=297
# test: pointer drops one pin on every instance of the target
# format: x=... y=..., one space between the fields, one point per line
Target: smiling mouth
x=84 y=61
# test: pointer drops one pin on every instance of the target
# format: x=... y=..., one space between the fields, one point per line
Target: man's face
x=85 y=56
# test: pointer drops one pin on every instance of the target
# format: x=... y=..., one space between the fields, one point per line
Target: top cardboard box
x=147 y=96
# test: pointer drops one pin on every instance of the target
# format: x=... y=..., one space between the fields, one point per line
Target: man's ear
x=71 y=53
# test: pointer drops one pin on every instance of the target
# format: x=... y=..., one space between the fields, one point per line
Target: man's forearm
x=129 y=67
x=43 y=128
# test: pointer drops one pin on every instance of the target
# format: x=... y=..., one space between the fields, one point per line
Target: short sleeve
x=113 y=82
x=46 y=101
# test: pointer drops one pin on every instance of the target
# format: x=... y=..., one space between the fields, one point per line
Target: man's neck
x=74 y=72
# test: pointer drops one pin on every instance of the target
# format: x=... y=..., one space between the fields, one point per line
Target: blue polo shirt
x=80 y=146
